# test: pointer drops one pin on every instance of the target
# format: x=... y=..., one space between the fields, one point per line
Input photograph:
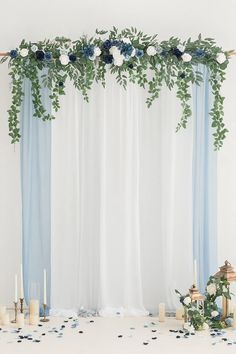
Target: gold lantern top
x=227 y=272
x=195 y=294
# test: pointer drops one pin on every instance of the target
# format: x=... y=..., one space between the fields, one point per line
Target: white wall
x=34 y=20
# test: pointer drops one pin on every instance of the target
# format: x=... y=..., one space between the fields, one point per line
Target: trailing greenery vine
x=208 y=316
x=130 y=55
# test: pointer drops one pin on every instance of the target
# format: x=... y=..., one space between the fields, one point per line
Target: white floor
x=101 y=337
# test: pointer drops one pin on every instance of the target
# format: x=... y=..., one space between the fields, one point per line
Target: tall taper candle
x=44 y=287
x=16 y=297
x=162 y=312
x=195 y=273
x=21 y=283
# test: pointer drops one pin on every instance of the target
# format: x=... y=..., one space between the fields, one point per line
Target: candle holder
x=15 y=307
x=21 y=305
x=44 y=319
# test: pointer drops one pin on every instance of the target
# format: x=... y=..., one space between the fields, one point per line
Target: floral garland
x=211 y=316
x=129 y=55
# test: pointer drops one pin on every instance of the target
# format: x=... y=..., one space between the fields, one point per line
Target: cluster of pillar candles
x=33 y=304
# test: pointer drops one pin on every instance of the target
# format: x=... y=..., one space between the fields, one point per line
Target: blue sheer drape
x=36 y=208
x=204 y=183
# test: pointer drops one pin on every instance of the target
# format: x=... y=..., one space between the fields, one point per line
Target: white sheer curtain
x=121 y=202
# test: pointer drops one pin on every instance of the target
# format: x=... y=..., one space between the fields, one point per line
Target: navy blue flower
x=107 y=44
x=115 y=43
x=88 y=51
x=182 y=75
x=131 y=66
x=48 y=56
x=61 y=84
x=108 y=58
x=177 y=52
x=13 y=53
x=126 y=49
x=39 y=54
x=199 y=53
x=164 y=53
x=139 y=53
x=72 y=57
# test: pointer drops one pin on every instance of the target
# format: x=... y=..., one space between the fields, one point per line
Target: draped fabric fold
x=36 y=196
x=117 y=205
x=204 y=183
x=121 y=202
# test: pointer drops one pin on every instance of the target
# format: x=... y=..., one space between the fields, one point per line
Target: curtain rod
x=5 y=54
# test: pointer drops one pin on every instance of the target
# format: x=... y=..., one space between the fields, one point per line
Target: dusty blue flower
x=88 y=51
x=200 y=53
x=13 y=53
x=48 y=56
x=139 y=53
x=126 y=49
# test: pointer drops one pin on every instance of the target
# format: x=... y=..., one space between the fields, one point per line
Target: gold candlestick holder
x=21 y=305
x=44 y=319
x=15 y=308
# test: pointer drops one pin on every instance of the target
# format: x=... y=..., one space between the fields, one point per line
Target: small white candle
x=179 y=314
x=16 y=297
x=34 y=307
x=44 y=287
x=234 y=317
x=21 y=283
x=5 y=319
x=20 y=320
x=162 y=312
x=33 y=319
x=195 y=273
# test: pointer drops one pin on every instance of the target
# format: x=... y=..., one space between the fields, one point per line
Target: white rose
x=205 y=326
x=211 y=289
x=97 y=51
x=224 y=289
x=181 y=47
x=118 y=60
x=34 y=48
x=187 y=300
x=114 y=51
x=24 y=52
x=186 y=57
x=214 y=313
x=64 y=59
x=221 y=58
x=151 y=50
x=133 y=52
x=126 y=40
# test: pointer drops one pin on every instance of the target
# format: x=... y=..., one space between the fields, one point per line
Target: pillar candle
x=34 y=307
x=21 y=283
x=34 y=319
x=44 y=287
x=16 y=297
x=180 y=313
x=20 y=320
x=5 y=319
x=234 y=317
x=161 y=312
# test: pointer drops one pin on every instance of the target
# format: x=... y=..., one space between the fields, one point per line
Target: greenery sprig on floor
x=131 y=56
